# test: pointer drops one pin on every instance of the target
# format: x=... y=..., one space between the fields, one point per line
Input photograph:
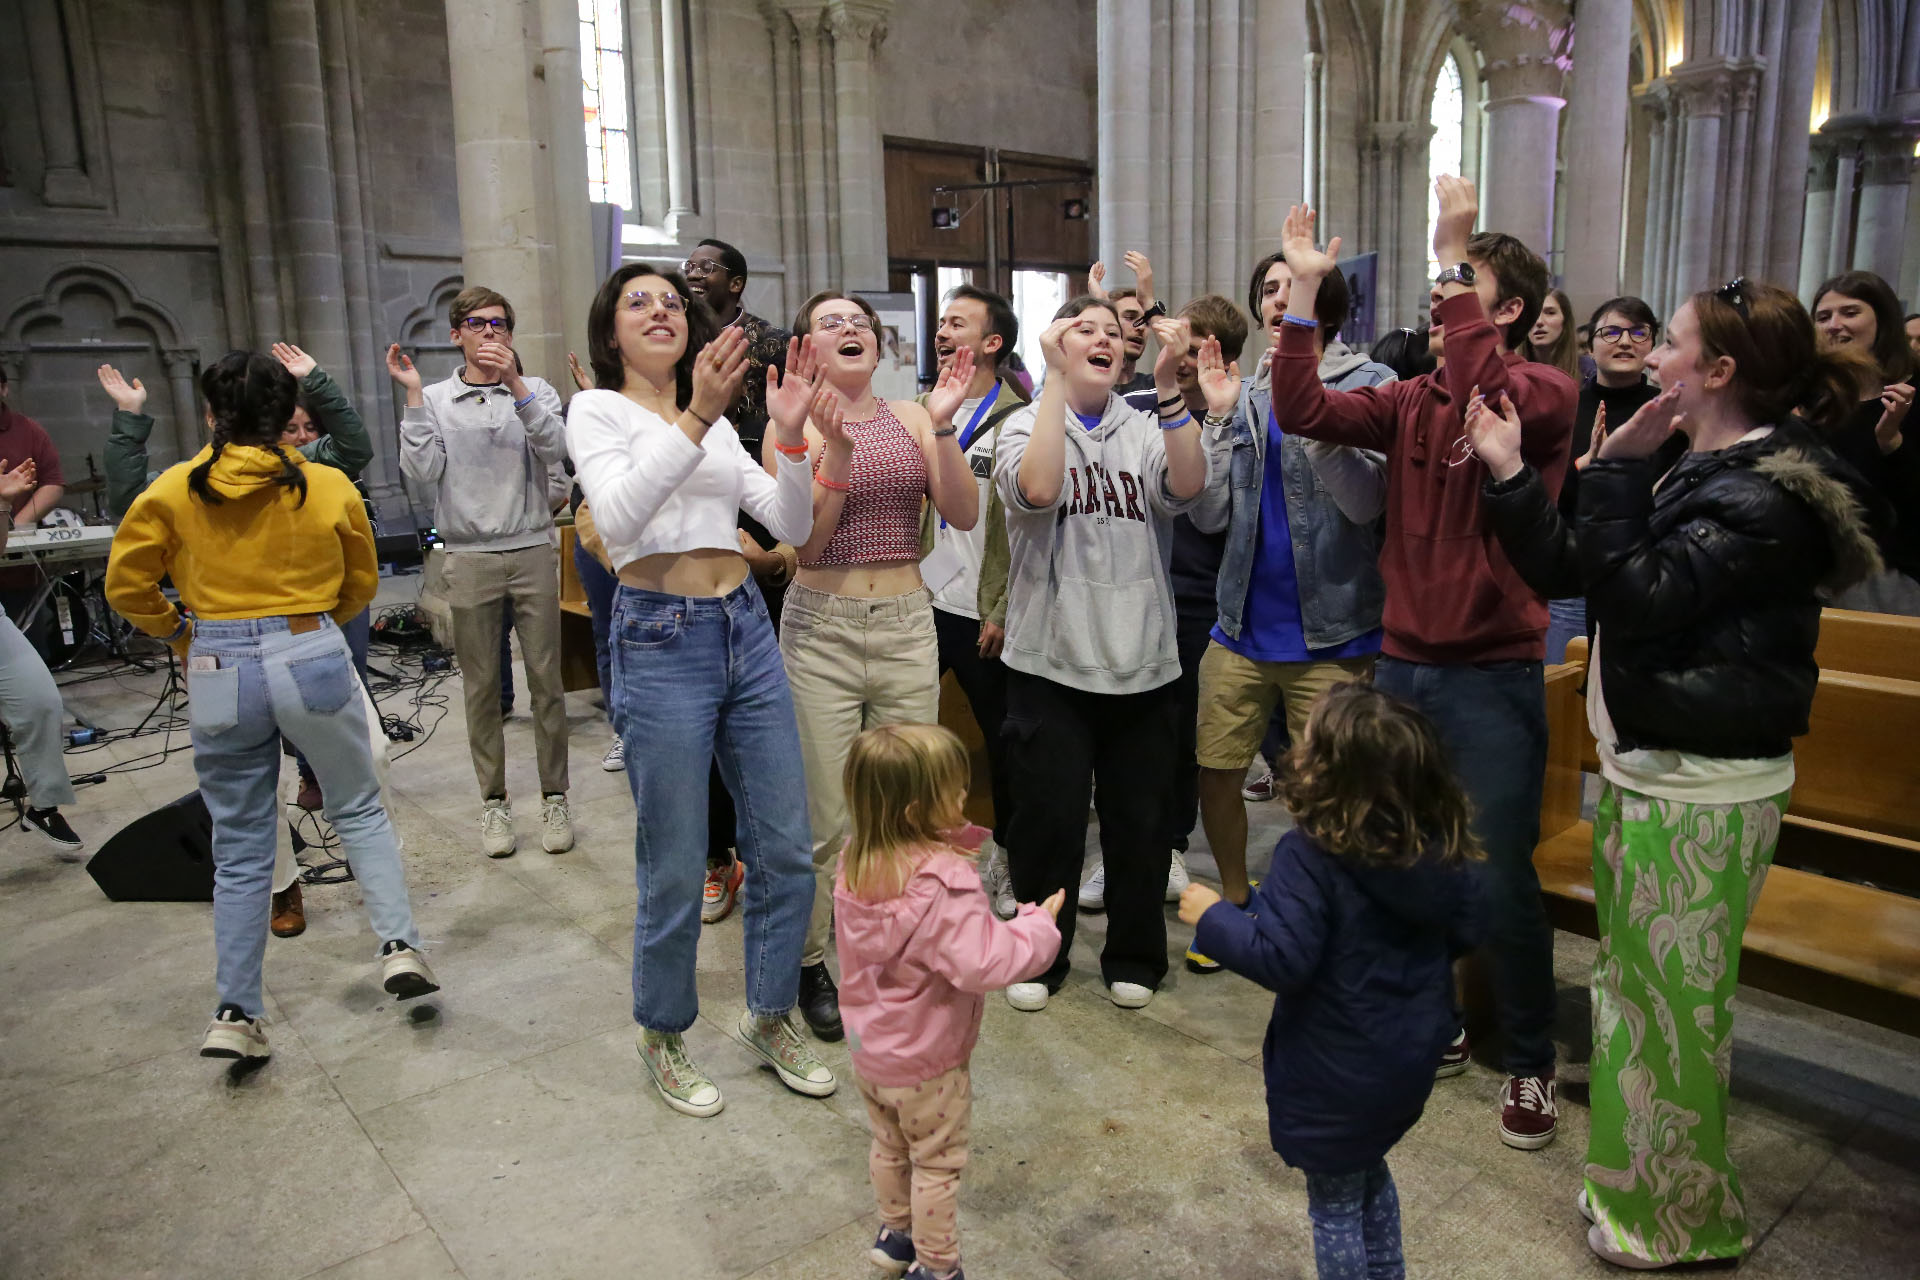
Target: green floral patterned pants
x=1673 y=884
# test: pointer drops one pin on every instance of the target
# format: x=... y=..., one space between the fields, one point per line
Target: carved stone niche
x=67 y=104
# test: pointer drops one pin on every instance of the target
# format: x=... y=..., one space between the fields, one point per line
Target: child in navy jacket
x=1354 y=930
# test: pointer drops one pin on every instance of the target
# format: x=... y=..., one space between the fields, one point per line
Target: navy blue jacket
x=1359 y=958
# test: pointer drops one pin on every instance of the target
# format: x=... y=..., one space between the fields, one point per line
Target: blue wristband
x=521 y=404
x=180 y=630
x=1177 y=423
x=1304 y=322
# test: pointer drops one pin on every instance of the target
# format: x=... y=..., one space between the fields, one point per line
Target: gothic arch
x=47 y=309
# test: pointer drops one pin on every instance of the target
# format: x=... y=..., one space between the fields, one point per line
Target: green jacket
x=994 y=557
x=346 y=446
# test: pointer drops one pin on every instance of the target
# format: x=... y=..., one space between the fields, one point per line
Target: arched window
x=603 y=94
x=1446 y=152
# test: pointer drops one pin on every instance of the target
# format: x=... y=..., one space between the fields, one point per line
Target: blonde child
x=919 y=948
x=1354 y=930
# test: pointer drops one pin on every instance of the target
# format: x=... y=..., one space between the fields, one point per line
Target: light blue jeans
x=271 y=682
x=697 y=681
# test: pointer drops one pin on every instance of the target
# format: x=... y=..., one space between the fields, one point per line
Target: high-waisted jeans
x=272 y=681
x=697 y=680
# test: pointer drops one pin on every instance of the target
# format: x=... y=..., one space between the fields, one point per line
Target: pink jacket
x=914 y=970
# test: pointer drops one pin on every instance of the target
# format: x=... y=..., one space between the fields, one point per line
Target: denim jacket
x=1334 y=495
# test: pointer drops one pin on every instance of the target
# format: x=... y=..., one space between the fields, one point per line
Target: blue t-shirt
x=1270 y=627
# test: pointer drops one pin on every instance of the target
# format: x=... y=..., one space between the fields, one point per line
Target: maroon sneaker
x=1455 y=1059
x=1528 y=1115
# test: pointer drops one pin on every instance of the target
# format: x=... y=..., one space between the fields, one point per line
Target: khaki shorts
x=1238 y=695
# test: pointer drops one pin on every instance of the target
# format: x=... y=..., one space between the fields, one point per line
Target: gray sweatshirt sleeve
x=423 y=454
x=1007 y=452
x=546 y=433
x=1356 y=478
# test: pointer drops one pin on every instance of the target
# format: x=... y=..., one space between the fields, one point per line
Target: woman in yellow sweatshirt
x=269 y=554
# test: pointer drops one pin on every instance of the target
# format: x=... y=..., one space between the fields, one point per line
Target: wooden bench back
x=1869 y=644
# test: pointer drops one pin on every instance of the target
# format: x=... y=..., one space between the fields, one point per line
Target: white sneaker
x=1177 y=878
x=1028 y=997
x=496 y=829
x=615 y=761
x=404 y=973
x=1093 y=893
x=1130 y=995
x=997 y=880
x=556 y=822
x=232 y=1034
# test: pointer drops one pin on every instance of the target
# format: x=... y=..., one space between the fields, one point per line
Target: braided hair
x=251 y=398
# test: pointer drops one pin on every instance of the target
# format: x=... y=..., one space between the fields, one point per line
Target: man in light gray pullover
x=481 y=445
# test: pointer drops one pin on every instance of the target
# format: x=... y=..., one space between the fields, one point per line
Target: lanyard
x=973 y=423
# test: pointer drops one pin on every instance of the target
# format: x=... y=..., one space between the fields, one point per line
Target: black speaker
x=166 y=856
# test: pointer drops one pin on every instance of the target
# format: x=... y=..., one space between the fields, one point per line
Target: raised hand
x=1646 y=430
x=1459 y=209
x=1495 y=436
x=1304 y=259
x=718 y=371
x=1176 y=339
x=1096 y=280
x=1051 y=338
x=1219 y=382
x=400 y=369
x=18 y=482
x=829 y=415
x=1142 y=275
x=581 y=378
x=128 y=397
x=1898 y=399
x=1195 y=901
x=789 y=396
x=951 y=390
x=1593 y=445
x=298 y=362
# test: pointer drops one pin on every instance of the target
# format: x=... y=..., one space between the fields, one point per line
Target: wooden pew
x=578 y=670
x=1853 y=948
x=1869 y=644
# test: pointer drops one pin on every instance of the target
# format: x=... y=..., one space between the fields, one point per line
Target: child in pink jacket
x=919 y=949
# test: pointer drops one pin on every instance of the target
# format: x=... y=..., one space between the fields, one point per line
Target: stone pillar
x=815 y=139
x=1280 y=78
x=1124 y=50
x=576 y=262
x=1597 y=151
x=65 y=182
x=308 y=210
x=1845 y=172
x=263 y=283
x=1525 y=52
x=1641 y=142
x=1881 y=234
x=179 y=362
x=1822 y=168
x=344 y=112
x=1790 y=142
x=679 y=110
x=858 y=27
x=1705 y=96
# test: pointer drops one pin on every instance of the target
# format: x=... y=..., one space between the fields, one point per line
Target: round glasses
x=641 y=300
x=1637 y=334
x=485 y=324
x=834 y=324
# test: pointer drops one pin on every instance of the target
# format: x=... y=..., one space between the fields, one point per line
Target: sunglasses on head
x=1734 y=294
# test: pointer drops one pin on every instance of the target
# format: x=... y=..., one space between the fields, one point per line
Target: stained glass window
x=603 y=95
x=1444 y=152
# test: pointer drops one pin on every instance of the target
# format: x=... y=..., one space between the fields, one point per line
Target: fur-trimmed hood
x=1816 y=481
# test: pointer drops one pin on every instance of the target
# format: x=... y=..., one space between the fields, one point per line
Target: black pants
x=984 y=682
x=1059 y=742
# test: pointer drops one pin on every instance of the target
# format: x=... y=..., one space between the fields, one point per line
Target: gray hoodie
x=1089 y=599
x=485 y=465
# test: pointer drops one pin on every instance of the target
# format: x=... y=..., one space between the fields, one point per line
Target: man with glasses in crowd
x=1136 y=309
x=482 y=445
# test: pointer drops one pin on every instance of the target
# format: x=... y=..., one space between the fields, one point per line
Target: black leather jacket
x=1705 y=591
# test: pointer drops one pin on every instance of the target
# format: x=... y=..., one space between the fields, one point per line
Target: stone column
x=1705 y=96
x=1279 y=116
x=1597 y=151
x=1525 y=48
x=1822 y=168
x=1642 y=164
x=679 y=110
x=1881 y=233
x=263 y=284
x=1124 y=49
x=308 y=209
x=179 y=362
x=858 y=27
x=65 y=183
x=1845 y=171
x=576 y=264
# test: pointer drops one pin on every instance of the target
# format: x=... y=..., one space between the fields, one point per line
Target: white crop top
x=653 y=491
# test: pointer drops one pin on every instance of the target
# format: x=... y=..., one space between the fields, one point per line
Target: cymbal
x=97 y=484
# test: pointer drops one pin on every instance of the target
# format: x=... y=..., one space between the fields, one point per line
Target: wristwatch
x=1153 y=312
x=1461 y=274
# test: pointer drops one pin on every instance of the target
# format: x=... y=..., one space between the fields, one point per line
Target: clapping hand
x=1051 y=339
x=1495 y=436
x=18 y=482
x=495 y=359
x=128 y=397
x=1898 y=398
x=1195 y=901
x=1598 y=438
x=718 y=371
x=1304 y=258
x=581 y=378
x=950 y=391
x=790 y=395
x=829 y=416
x=298 y=362
x=400 y=369
x=1142 y=276
x=1646 y=430
x=1219 y=382
x=1459 y=209
x=1176 y=339
x=1096 y=280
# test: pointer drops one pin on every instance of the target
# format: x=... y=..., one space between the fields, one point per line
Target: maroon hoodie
x=1452 y=597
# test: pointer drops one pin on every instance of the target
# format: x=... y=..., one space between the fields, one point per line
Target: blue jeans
x=1356 y=1225
x=272 y=682
x=1566 y=620
x=1492 y=718
x=599 y=586
x=359 y=633
x=698 y=681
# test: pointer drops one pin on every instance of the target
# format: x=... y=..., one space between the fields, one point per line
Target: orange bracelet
x=837 y=486
x=798 y=451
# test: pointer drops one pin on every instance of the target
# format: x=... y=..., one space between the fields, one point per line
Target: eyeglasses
x=1734 y=294
x=835 y=323
x=480 y=324
x=1614 y=333
x=694 y=267
x=641 y=300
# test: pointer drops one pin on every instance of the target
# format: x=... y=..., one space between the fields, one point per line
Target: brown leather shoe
x=289 y=916
x=309 y=797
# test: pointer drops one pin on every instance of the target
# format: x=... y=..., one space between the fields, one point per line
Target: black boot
x=820 y=1002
